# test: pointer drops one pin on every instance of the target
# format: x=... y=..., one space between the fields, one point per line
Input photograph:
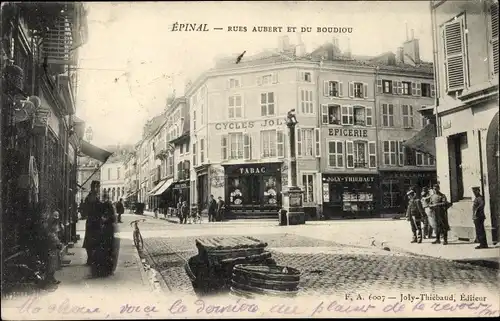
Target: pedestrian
x=414 y=214
x=212 y=209
x=120 y=210
x=429 y=219
x=156 y=212
x=179 y=212
x=184 y=212
x=220 y=209
x=439 y=204
x=55 y=246
x=91 y=208
x=478 y=217
x=105 y=253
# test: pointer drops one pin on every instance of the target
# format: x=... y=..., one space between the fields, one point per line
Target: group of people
x=99 y=241
x=431 y=211
x=215 y=211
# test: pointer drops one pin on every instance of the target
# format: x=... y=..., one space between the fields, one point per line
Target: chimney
x=300 y=48
x=411 y=52
x=348 y=51
x=400 y=55
x=336 y=50
x=283 y=43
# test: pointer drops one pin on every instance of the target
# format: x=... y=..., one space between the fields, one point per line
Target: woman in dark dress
x=105 y=254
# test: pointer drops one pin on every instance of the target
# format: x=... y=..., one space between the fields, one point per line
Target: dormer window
x=234 y=83
x=306 y=76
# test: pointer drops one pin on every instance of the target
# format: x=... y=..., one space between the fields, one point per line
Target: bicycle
x=138 y=241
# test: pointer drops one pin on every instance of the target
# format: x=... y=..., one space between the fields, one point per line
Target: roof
x=424 y=141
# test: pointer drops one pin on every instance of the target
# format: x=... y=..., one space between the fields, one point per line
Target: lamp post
x=292 y=200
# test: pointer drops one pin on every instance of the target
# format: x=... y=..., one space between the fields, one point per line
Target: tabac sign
x=249 y=124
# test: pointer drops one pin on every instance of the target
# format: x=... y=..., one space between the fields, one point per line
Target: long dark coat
x=106 y=252
x=441 y=210
x=92 y=209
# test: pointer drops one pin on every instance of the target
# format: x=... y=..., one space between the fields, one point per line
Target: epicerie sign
x=248 y=124
x=348 y=132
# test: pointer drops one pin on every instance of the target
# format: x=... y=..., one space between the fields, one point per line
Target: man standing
x=212 y=209
x=478 y=217
x=414 y=214
x=220 y=209
x=439 y=204
x=92 y=210
x=120 y=210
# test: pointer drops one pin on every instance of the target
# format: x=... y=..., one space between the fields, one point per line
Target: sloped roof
x=424 y=141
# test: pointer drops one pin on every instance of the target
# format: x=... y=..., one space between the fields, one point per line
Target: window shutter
x=369 y=116
x=413 y=89
x=341 y=89
x=259 y=80
x=350 y=154
x=324 y=114
x=298 y=140
x=433 y=90
x=275 y=77
x=394 y=87
x=454 y=54
x=351 y=89
x=372 y=155
x=410 y=115
x=224 y=146
x=379 y=86
x=419 y=89
x=365 y=90
x=325 y=89
x=280 y=144
x=247 y=147
x=400 y=88
x=494 y=35
x=317 y=140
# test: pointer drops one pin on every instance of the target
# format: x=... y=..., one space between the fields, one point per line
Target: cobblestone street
x=331 y=268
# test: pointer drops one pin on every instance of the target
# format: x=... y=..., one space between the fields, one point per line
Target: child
x=55 y=246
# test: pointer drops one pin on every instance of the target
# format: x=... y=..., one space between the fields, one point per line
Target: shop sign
x=252 y=169
x=348 y=132
x=181 y=185
x=249 y=124
x=350 y=179
x=409 y=175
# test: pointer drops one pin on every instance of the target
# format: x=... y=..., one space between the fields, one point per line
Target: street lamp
x=292 y=200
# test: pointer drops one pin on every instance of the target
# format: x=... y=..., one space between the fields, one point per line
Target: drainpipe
x=375 y=123
x=481 y=170
x=436 y=75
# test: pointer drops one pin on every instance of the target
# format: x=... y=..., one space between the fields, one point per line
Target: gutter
x=437 y=88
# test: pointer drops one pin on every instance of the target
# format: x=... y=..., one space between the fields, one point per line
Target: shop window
x=388 y=115
x=336 y=154
x=407 y=112
x=389 y=152
x=308 y=186
x=330 y=114
x=357 y=201
x=235 y=109
x=270 y=191
x=306 y=102
x=268 y=143
x=332 y=89
x=391 y=194
x=347 y=115
x=267 y=104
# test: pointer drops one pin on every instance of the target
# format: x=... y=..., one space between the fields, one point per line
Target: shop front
x=349 y=195
x=181 y=191
x=253 y=188
x=395 y=184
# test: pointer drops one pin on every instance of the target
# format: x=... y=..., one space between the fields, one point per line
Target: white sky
x=149 y=60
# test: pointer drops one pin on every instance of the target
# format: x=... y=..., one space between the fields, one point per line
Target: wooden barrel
x=271 y=280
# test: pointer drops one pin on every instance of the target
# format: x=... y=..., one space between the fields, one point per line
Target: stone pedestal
x=292 y=204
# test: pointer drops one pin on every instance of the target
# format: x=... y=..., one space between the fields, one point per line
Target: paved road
x=327 y=267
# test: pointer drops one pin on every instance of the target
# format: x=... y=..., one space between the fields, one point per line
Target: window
x=390 y=152
x=407 y=112
x=424 y=159
x=202 y=114
x=118 y=173
x=280 y=143
x=360 y=159
x=388 y=115
x=336 y=154
x=347 y=115
x=170 y=160
x=372 y=154
x=406 y=88
x=305 y=142
x=359 y=90
x=195 y=160
x=306 y=101
x=234 y=83
x=194 y=119
x=236 y=146
x=235 y=107
x=494 y=35
x=359 y=115
x=267 y=104
x=268 y=143
x=332 y=89
x=455 y=54
x=305 y=76
x=330 y=114
x=267 y=79
x=387 y=86
x=181 y=149
x=109 y=173
x=401 y=153
x=186 y=150
x=426 y=90
x=308 y=185
x=202 y=151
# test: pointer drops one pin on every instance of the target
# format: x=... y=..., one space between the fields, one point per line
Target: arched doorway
x=493 y=159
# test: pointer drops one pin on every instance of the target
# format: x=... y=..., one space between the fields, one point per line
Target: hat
x=476 y=188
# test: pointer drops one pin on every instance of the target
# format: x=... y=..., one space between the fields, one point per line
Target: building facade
x=113 y=180
x=88 y=171
x=466 y=58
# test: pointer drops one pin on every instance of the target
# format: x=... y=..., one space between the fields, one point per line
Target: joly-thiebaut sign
x=249 y=124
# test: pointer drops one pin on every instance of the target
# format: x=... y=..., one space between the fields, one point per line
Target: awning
x=95 y=152
x=164 y=187
x=424 y=141
x=157 y=186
